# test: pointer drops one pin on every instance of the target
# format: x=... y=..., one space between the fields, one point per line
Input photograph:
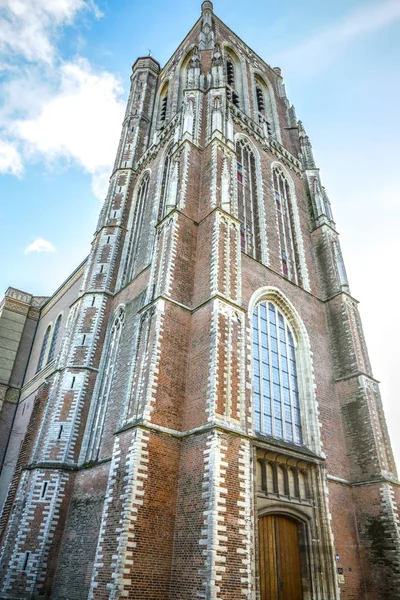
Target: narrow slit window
x=44 y=489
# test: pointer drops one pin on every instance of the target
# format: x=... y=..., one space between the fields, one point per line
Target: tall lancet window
x=248 y=200
x=264 y=111
x=165 y=190
x=108 y=370
x=54 y=339
x=263 y=108
x=288 y=242
x=232 y=92
x=275 y=385
x=136 y=228
x=260 y=100
x=43 y=349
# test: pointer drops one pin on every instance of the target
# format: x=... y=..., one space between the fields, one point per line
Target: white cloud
x=79 y=121
x=40 y=245
x=319 y=49
x=10 y=159
x=53 y=109
x=28 y=29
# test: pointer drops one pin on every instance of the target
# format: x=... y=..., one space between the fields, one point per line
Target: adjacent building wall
x=23 y=322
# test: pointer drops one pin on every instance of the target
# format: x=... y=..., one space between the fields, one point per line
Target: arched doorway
x=280 y=562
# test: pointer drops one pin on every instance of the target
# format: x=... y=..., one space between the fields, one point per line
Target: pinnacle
x=207 y=5
x=301 y=128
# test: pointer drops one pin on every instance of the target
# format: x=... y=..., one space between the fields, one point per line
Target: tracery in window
x=248 y=200
x=275 y=382
x=43 y=349
x=103 y=395
x=53 y=344
x=136 y=227
x=288 y=242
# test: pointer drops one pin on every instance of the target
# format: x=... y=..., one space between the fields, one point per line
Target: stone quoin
x=193 y=413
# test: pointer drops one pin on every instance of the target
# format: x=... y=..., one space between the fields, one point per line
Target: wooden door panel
x=268 y=556
x=287 y=535
x=280 y=569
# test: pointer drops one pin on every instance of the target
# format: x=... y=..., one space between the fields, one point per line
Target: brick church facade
x=193 y=413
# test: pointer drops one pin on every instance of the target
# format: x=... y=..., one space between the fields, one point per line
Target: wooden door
x=280 y=569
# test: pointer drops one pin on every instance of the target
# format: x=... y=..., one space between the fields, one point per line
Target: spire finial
x=207 y=5
x=207 y=38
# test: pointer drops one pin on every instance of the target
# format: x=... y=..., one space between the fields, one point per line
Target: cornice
x=37 y=380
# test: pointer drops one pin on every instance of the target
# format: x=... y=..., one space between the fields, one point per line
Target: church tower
x=206 y=424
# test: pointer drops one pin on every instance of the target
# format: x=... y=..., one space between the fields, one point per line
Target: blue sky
x=64 y=76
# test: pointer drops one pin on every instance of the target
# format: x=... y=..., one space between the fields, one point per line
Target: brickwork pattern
x=166 y=505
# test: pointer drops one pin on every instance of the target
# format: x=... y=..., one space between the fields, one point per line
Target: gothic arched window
x=275 y=384
x=264 y=106
x=53 y=344
x=163 y=110
x=108 y=369
x=260 y=100
x=248 y=200
x=288 y=242
x=165 y=185
x=43 y=349
x=136 y=227
x=232 y=66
